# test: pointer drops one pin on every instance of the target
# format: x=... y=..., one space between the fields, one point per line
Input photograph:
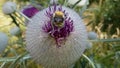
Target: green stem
x=19 y=18
x=7 y=59
x=17 y=59
x=11 y=59
x=3 y=64
x=92 y=64
x=83 y=8
x=13 y=18
x=76 y=3
x=65 y=2
x=106 y=40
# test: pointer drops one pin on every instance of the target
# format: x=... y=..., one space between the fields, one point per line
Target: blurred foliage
x=101 y=16
x=107 y=13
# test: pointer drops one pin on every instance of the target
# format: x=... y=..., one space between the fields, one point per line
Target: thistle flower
x=3 y=41
x=9 y=7
x=15 y=30
x=29 y=11
x=92 y=35
x=56 y=37
x=81 y=3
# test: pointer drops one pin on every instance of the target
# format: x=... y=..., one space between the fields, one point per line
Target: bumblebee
x=58 y=19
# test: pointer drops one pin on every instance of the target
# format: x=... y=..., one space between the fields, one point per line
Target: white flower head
x=15 y=30
x=92 y=35
x=3 y=41
x=81 y=3
x=56 y=37
x=9 y=7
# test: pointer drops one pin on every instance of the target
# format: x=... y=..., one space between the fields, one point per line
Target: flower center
x=59 y=26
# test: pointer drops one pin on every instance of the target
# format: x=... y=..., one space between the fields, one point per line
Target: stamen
x=59 y=34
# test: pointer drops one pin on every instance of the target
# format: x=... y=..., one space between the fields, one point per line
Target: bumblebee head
x=58 y=18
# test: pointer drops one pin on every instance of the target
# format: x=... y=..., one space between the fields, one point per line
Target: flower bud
x=92 y=35
x=15 y=30
x=9 y=7
x=3 y=41
x=89 y=46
